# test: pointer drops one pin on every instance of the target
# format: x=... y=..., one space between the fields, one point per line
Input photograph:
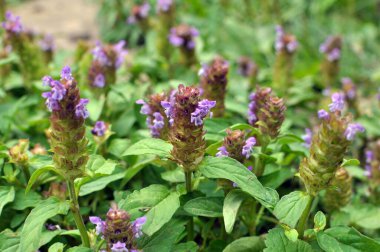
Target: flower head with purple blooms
x=331 y=48
x=248 y=147
x=252 y=117
x=120 y=52
x=100 y=225
x=285 y=42
x=202 y=110
x=183 y=36
x=81 y=110
x=66 y=74
x=137 y=226
x=47 y=43
x=12 y=24
x=99 y=129
x=349 y=88
x=222 y=152
x=139 y=13
x=164 y=5
x=307 y=137
x=352 y=130
x=119 y=247
x=100 y=80
x=323 y=114
x=337 y=104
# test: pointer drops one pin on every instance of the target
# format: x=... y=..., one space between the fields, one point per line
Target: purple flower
x=121 y=53
x=139 y=12
x=144 y=10
x=292 y=46
x=137 y=225
x=168 y=107
x=337 y=102
x=349 y=88
x=47 y=81
x=66 y=74
x=81 y=110
x=252 y=118
x=307 y=137
x=145 y=109
x=12 y=23
x=201 y=111
x=158 y=124
x=222 y=152
x=369 y=156
x=248 y=147
x=323 y=114
x=100 y=225
x=333 y=55
x=352 y=130
x=119 y=247
x=250 y=168
x=58 y=91
x=100 y=55
x=164 y=5
x=284 y=41
x=183 y=35
x=99 y=81
x=51 y=103
x=174 y=39
x=99 y=129
x=47 y=43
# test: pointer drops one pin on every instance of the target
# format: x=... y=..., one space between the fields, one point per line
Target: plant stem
x=190 y=225
x=25 y=169
x=304 y=217
x=76 y=213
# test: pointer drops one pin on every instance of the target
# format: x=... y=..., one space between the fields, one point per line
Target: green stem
x=259 y=214
x=190 y=225
x=76 y=213
x=304 y=217
x=25 y=169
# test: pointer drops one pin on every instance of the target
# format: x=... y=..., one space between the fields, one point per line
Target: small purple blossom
x=137 y=226
x=352 y=130
x=47 y=81
x=138 y=13
x=331 y=48
x=100 y=225
x=100 y=80
x=145 y=109
x=121 y=53
x=12 y=23
x=100 y=55
x=369 y=156
x=307 y=137
x=183 y=36
x=66 y=73
x=201 y=111
x=337 y=102
x=222 y=152
x=323 y=114
x=349 y=88
x=334 y=55
x=284 y=41
x=157 y=125
x=252 y=118
x=174 y=39
x=248 y=147
x=99 y=129
x=168 y=107
x=47 y=43
x=164 y=5
x=58 y=91
x=119 y=247
x=51 y=103
x=81 y=110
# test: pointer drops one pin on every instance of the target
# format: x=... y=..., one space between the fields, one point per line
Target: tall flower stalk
x=186 y=112
x=285 y=46
x=248 y=69
x=183 y=36
x=166 y=19
x=331 y=49
x=67 y=136
x=213 y=82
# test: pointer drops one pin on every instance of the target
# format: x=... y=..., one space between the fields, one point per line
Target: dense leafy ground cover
x=194 y=126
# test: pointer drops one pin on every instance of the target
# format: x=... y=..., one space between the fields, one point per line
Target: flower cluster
x=183 y=36
x=213 y=82
x=157 y=119
x=99 y=129
x=246 y=67
x=67 y=133
x=106 y=60
x=186 y=109
x=331 y=48
x=164 y=5
x=18 y=154
x=118 y=231
x=236 y=145
x=47 y=43
x=328 y=146
x=285 y=42
x=307 y=137
x=12 y=23
x=266 y=111
x=139 y=13
x=349 y=88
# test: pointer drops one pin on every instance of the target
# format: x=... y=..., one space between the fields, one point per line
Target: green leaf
x=350 y=162
x=243 y=126
x=161 y=213
x=319 y=221
x=7 y=195
x=153 y=146
x=9 y=241
x=363 y=215
x=345 y=239
x=174 y=176
x=32 y=229
x=289 y=138
x=38 y=173
x=205 y=206
x=291 y=234
x=23 y=201
x=246 y=244
x=97 y=165
x=56 y=247
x=145 y=198
x=231 y=207
x=185 y=247
x=118 y=146
x=228 y=168
x=276 y=241
x=164 y=239
x=276 y=178
x=95 y=107
x=290 y=207
x=79 y=249
x=97 y=184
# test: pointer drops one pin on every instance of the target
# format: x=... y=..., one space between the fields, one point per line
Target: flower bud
x=213 y=82
x=47 y=46
x=183 y=36
x=18 y=153
x=67 y=132
x=248 y=68
x=236 y=145
x=331 y=49
x=186 y=134
x=339 y=194
x=139 y=15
